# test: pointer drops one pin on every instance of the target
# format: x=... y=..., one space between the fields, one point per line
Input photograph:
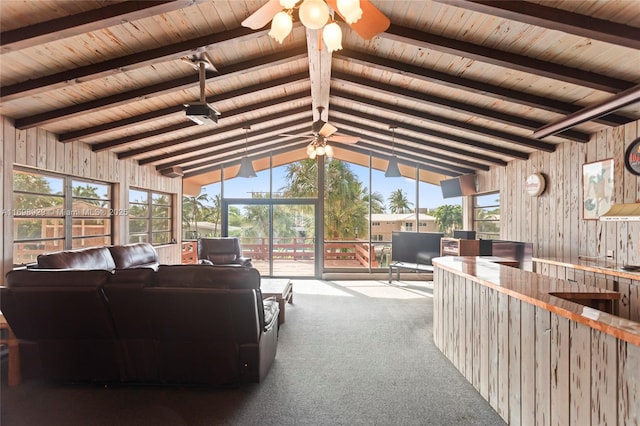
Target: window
x=150 y=217
x=408 y=226
x=486 y=215
x=53 y=212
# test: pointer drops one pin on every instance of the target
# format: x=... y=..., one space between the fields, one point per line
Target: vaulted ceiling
x=467 y=84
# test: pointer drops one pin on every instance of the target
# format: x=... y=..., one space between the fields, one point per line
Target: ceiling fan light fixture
x=350 y=10
x=288 y=4
x=281 y=26
x=392 y=168
x=328 y=151
x=314 y=14
x=332 y=37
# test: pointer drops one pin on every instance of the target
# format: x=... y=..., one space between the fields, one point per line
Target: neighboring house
x=383 y=224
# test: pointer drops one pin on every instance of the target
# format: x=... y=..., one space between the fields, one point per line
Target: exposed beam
x=476 y=87
x=123 y=64
x=618 y=101
x=291 y=125
x=319 y=73
x=461 y=157
x=555 y=19
x=445 y=137
x=84 y=22
x=412 y=95
x=279 y=83
x=451 y=123
x=233 y=159
x=253 y=65
x=173 y=143
x=507 y=60
x=413 y=162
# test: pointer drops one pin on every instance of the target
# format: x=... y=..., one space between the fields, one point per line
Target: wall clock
x=632 y=157
x=535 y=184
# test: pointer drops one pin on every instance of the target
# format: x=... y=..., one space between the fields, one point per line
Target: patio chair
x=221 y=251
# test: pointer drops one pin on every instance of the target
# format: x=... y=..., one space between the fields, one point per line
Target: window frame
x=150 y=207
x=476 y=208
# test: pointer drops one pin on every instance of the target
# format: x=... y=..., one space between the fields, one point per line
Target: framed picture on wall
x=597 y=188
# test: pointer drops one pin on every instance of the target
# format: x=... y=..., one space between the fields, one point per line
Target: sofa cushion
x=138 y=255
x=145 y=276
x=57 y=278
x=91 y=258
x=221 y=259
x=207 y=276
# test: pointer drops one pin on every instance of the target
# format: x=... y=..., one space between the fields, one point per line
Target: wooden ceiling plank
x=507 y=60
x=108 y=127
x=123 y=64
x=102 y=146
x=498 y=116
x=462 y=156
x=84 y=22
x=252 y=65
x=473 y=86
x=455 y=124
x=298 y=123
x=212 y=132
x=555 y=19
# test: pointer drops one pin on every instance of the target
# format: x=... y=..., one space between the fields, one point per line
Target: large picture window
x=150 y=217
x=486 y=215
x=54 y=212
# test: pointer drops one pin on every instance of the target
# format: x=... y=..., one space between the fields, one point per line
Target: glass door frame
x=271 y=202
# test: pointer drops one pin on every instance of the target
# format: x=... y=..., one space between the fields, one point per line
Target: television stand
x=418 y=267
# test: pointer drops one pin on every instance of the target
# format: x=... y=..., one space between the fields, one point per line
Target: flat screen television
x=405 y=246
x=459 y=186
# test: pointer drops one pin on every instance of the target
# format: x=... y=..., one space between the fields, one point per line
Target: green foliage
x=448 y=217
x=398 y=202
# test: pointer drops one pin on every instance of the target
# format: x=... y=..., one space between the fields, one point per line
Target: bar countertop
x=590 y=264
x=546 y=293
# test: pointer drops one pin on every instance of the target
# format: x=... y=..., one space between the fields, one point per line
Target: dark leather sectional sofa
x=113 y=314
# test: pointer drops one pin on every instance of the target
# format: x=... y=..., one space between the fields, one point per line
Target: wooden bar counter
x=532 y=352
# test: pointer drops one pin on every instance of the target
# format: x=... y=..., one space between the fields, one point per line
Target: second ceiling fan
x=323 y=132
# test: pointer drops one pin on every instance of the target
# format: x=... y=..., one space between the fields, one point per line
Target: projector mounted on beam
x=202 y=113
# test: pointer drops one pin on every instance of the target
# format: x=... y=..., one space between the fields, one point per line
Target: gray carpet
x=350 y=353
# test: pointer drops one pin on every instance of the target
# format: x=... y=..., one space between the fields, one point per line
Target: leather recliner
x=222 y=251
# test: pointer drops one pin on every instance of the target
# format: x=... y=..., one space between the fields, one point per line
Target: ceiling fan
x=362 y=16
x=323 y=132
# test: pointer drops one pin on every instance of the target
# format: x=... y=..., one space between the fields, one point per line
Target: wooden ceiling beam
x=411 y=95
x=461 y=156
x=154 y=115
x=173 y=143
x=84 y=22
x=123 y=64
x=233 y=159
x=555 y=19
x=507 y=60
x=457 y=125
x=440 y=135
x=471 y=86
x=422 y=163
x=252 y=65
x=239 y=139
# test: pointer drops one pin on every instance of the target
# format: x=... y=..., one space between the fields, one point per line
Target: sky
x=430 y=196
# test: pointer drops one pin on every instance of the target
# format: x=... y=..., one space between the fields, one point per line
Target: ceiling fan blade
x=263 y=16
x=344 y=139
x=372 y=23
x=327 y=130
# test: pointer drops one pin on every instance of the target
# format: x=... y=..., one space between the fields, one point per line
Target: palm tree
x=398 y=202
x=448 y=217
x=192 y=207
x=377 y=202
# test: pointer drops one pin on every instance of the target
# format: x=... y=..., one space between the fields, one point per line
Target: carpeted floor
x=350 y=353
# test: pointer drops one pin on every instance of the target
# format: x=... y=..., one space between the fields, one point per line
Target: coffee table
x=281 y=289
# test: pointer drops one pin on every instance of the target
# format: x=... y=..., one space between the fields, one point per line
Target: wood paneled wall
x=554 y=220
x=39 y=149
x=534 y=367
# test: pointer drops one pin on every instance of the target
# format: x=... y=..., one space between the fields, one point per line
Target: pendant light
x=246 y=166
x=392 y=167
